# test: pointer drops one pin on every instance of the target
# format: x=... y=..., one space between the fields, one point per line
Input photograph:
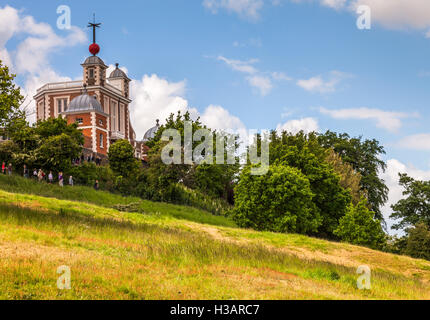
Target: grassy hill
x=172 y=252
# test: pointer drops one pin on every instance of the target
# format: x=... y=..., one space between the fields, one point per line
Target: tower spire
x=94 y=48
x=94 y=25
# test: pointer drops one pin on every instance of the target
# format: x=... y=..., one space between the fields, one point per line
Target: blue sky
x=255 y=64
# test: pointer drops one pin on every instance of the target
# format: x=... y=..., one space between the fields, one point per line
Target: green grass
x=163 y=255
x=89 y=195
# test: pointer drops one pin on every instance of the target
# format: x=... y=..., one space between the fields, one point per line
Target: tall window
x=91 y=73
x=101 y=141
x=114 y=110
x=106 y=105
x=40 y=110
x=61 y=105
x=122 y=117
x=119 y=118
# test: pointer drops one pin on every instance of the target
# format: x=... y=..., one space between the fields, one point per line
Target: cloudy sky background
x=249 y=64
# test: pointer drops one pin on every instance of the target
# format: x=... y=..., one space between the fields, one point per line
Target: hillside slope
x=161 y=254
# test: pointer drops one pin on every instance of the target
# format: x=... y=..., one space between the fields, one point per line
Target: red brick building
x=99 y=103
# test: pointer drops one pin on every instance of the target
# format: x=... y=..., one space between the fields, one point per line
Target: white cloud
x=262 y=83
x=239 y=65
x=398 y=14
x=30 y=59
x=244 y=8
x=253 y=42
x=294 y=126
x=387 y=120
x=335 y=4
x=391 y=177
x=419 y=142
x=155 y=98
x=280 y=76
x=216 y=117
x=318 y=84
x=392 y=14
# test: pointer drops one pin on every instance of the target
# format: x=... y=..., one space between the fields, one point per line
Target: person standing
x=96 y=185
x=50 y=177
x=40 y=175
x=26 y=172
x=9 y=169
x=3 y=167
x=71 y=181
x=35 y=174
x=60 y=179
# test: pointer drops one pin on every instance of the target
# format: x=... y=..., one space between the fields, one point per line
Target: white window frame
x=114 y=110
x=62 y=99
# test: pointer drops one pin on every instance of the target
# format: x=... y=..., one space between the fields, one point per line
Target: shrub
x=359 y=227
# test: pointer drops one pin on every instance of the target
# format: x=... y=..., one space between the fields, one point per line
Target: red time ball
x=94 y=49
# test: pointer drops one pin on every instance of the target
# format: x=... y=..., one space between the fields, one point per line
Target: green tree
x=212 y=179
x=280 y=201
x=349 y=178
x=10 y=98
x=50 y=144
x=415 y=208
x=365 y=158
x=56 y=152
x=359 y=227
x=418 y=242
x=122 y=160
x=305 y=153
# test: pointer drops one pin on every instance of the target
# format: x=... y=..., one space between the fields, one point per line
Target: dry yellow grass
x=115 y=255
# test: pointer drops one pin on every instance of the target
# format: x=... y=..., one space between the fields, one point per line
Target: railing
x=117 y=135
x=74 y=84
x=111 y=87
x=61 y=85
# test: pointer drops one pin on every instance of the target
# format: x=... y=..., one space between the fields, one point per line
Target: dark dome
x=93 y=60
x=118 y=73
x=85 y=103
x=150 y=134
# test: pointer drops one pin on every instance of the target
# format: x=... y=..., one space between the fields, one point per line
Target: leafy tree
x=57 y=126
x=121 y=158
x=280 y=201
x=56 y=152
x=305 y=153
x=359 y=227
x=212 y=179
x=418 y=242
x=364 y=156
x=10 y=98
x=349 y=178
x=415 y=208
x=50 y=144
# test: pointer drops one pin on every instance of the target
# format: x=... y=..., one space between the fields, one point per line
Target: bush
x=280 y=201
x=359 y=227
x=87 y=173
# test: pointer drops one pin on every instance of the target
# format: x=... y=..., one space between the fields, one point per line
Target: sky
x=248 y=64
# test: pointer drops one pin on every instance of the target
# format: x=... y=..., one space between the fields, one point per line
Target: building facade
x=99 y=104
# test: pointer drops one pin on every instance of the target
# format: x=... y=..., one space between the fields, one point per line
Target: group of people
x=6 y=169
x=40 y=176
x=82 y=159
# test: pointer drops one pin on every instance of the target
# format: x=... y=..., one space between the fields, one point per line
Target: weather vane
x=94 y=48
